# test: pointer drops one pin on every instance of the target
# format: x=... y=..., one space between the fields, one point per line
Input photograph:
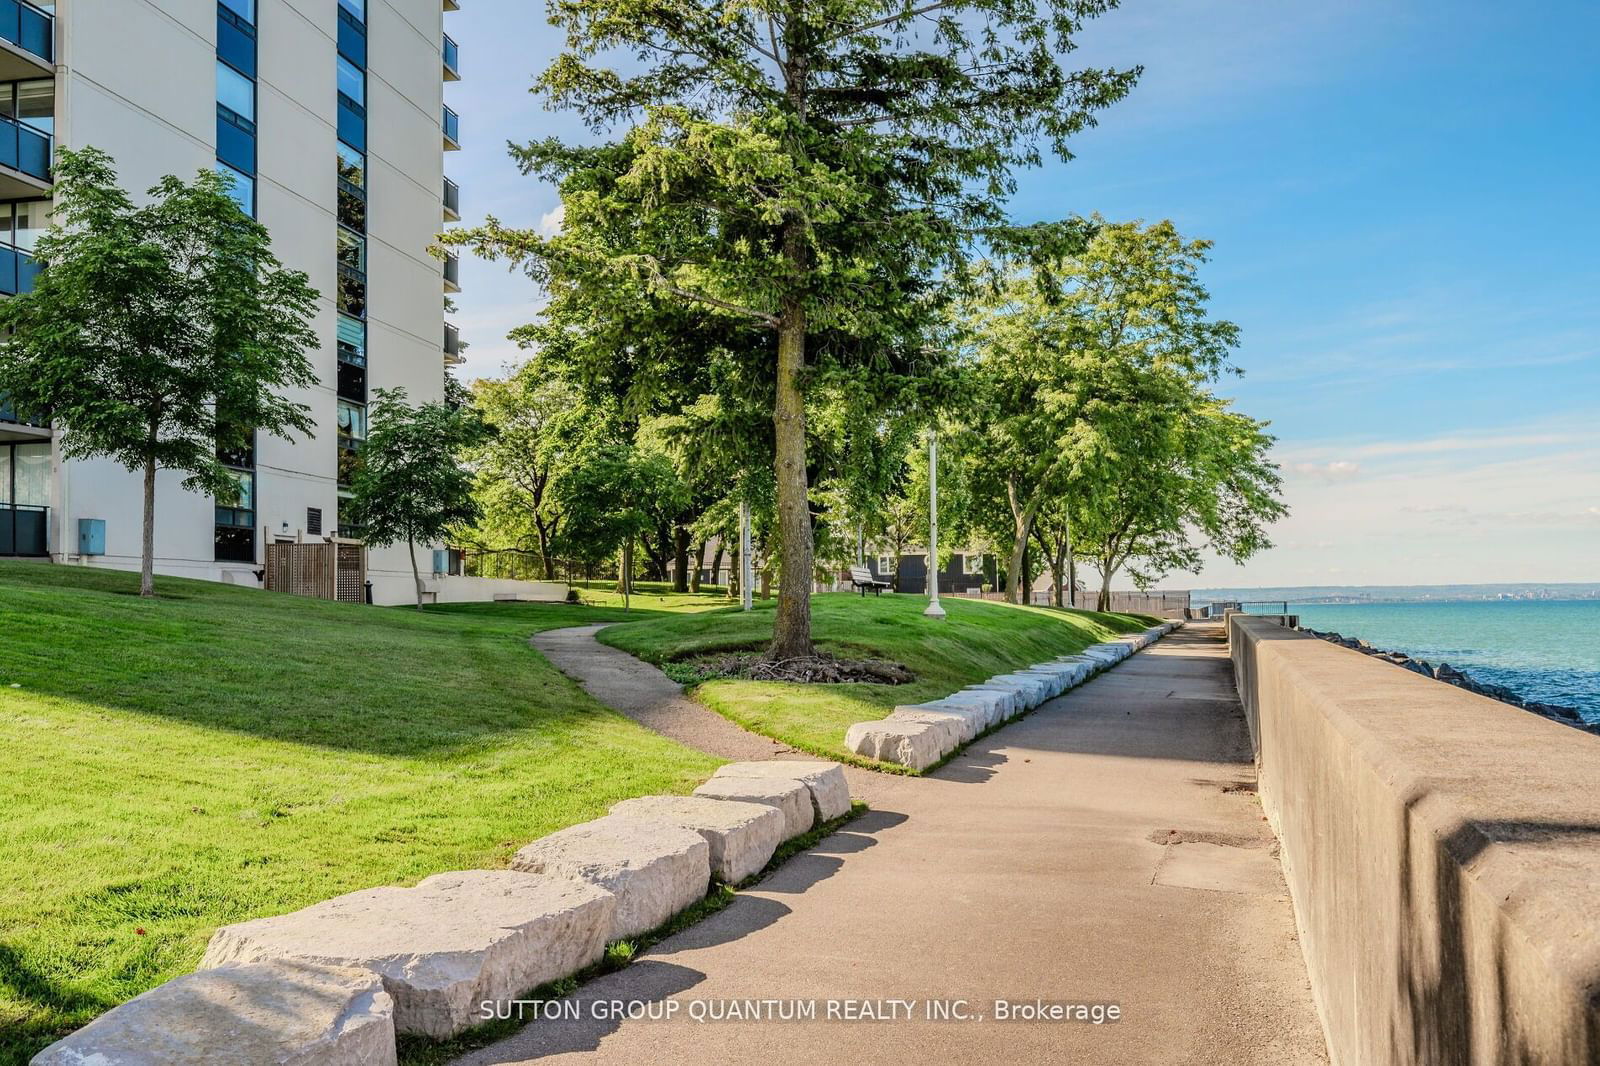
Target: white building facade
x=330 y=116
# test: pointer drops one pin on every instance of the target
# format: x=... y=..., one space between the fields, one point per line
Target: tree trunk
x=1022 y=519
x=416 y=574
x=699 y=565
x=544 y=551
x=627 y=572
x=716 y=565
x=680 y=560
x=766 y=582
x=791 y=628
x=147 y=557
x=1105 y=587
x=1072 y=578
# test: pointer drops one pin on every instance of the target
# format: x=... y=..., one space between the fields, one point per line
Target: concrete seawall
x=1443 y=852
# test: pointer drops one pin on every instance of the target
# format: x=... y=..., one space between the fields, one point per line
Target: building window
x=236 y=92
x=352 y=420
x=245 y=9
x=352 y=81
x=352 y=252
x=242 y=187
x=352 y=341
x=973 y=565
x=884 y=567
x=358 y=8
x=235 y=533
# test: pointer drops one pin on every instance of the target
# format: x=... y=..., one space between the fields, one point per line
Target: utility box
x=91 y=536
x=441 y=560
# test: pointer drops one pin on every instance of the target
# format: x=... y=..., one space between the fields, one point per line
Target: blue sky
x=1405 y=200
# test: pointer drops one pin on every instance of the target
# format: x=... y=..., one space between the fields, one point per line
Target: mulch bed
x=809 y=669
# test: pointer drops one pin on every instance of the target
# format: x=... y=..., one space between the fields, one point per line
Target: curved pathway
x=651 y=698
x=1106 y=848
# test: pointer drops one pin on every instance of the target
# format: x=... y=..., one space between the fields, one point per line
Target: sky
x=1405 y=202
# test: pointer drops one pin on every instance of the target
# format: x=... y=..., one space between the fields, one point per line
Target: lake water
x=1545 y=650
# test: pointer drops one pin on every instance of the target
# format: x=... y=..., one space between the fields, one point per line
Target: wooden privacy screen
x=325 y=570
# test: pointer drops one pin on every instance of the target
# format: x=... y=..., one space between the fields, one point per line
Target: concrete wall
x=1443 y=851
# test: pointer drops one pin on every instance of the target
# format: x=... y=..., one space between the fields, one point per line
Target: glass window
x=352 y=166
x=974 y=564
x=36 y=104
x=245 y=9
x=352 y=340
x=358 y=8
x=5 y=475
x=236 y=92
x=883 y=565
x=32 y=219
x=352 y=420
x=243 y=188
x=352 y=251
x=33 y=475
x=352 y=82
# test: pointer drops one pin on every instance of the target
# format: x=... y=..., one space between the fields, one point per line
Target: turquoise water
x=1545 y=650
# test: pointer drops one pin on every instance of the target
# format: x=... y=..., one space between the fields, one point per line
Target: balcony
x=452 y=346
x=452 y=273
x=452 y=59
x=452 y=5
x=452 y=201
x=27 y=42
x=17 y=271
x=25 y=157
x=452 y=130
x=16 y=428
x=24 y=530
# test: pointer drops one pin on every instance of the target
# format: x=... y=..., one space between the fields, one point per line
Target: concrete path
x=654 y=700
x=1107 y=848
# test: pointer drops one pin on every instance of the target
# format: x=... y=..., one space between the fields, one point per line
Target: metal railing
x=29 y=28
x=452 y=342
x=452 y=59
x=452 y=273
x=452 y=128
x=452 y=198
x=24 y=148
x=24 y=530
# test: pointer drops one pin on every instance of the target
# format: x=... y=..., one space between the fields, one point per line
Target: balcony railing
x=24 y=530
x=9 y=413
x=452 y=345
x=452 y=201
x=24 y=148
x=452 y=130
x=452 y=5
x=452 y=59
x=452 y=273
x=29 y=28
x=17 y=271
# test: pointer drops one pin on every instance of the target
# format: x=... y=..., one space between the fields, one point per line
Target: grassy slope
x=978 y=640
x=220 y=754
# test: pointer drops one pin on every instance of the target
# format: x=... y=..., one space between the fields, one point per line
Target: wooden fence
x=333 y=569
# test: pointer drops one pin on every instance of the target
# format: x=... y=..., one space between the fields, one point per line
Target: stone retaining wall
x=918 y=735
x=1443 y=852
x=334 y=983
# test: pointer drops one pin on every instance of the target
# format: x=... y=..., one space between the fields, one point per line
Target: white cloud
x=550 y=222
x=1334 y=470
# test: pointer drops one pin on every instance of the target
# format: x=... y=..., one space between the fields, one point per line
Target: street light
x=933 y=610
x=746 y=565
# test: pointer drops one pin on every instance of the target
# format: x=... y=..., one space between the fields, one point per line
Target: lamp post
x=933 y=610
x=746 y=568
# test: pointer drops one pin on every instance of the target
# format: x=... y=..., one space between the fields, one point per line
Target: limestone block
x=281 y=1013
x=790 y=796
x=1008 y=697
x=741 y=836
x=955 y=726
x=830 y=792
x=1035 y=688
x=443 y=947
x=653 y=870
x=913 y=744
x=993 y=706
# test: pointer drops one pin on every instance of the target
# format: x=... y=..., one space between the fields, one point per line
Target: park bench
x=861 y=578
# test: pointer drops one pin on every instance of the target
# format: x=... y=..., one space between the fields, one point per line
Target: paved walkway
x=1106 y=848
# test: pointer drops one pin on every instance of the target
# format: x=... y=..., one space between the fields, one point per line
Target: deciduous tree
x=158 y=335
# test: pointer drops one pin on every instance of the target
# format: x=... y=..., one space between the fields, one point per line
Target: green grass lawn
x=220 y=754
x=978 y=640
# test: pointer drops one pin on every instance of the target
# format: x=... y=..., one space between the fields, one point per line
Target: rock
x=912 y=744
x=1055 y=680
x=654 y=870
x=789 y=795
x=990 y=708
x=1416 y=667
x=957 y=728
x=1552 y=710
x=1036 y=688
x=830 y=792
x=281 y=1013
x=1446 y=672
x=1008 y=698
x=741 y=836
x=442 y=947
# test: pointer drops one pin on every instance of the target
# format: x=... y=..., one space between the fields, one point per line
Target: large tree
x=1057 y=356
x=813 y=170
x=158 y=335
x=411 y=484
